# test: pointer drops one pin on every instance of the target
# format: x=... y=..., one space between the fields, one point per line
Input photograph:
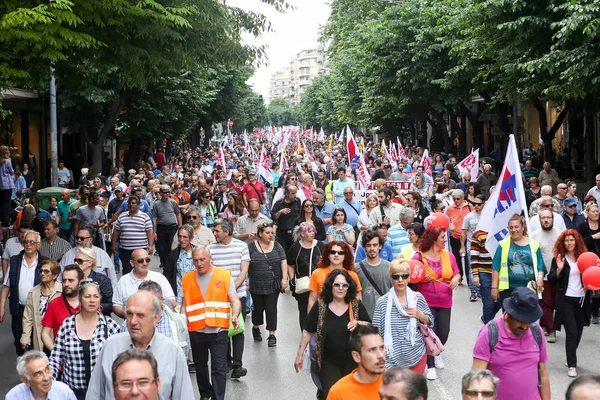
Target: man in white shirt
x=388 y=212
x=547 y=235
x=129 y=283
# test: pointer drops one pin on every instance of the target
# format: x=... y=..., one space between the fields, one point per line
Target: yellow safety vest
x=504 y=244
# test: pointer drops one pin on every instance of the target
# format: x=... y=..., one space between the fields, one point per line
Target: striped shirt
x=405 y=355
x=133 y=230
x=481 y=260
x=54 y=250
x=398 y=239
x=230 y=257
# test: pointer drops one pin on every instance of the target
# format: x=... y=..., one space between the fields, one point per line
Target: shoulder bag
x=433 y=344
x=303 y=282
x=370 y=278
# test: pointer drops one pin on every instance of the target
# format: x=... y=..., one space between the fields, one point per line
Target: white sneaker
x=431 y=374
x=439 y=362
x=572 y=372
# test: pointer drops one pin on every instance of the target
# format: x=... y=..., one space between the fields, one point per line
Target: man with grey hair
x=143 y=312
x=209 y=284
x=22 y=275
x=35 y=374
x=546 y=203
x=171 y=324
x=134 y=374
x=246 y=225
x=401 y=383
x=545 y=190
x=479 y=382
x=202 y=236
x=232 y=255
x=397 y=234
x=549 y=176
x=486 y=180
x=595 y=190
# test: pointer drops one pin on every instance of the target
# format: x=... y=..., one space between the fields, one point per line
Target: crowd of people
x=230 y=240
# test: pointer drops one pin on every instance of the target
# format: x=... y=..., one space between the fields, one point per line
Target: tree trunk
x=589 y=139
x=440 y=131
x=108 y=126
x=549 y=135
x=477 y=125
x=207 y=127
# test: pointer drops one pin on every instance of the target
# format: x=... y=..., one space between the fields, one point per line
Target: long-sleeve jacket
x=32 y=319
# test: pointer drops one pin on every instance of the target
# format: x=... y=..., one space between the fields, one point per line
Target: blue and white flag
x=507 y=199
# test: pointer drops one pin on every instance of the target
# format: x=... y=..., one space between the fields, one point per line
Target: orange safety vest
x=447 y=272
x=212 y=309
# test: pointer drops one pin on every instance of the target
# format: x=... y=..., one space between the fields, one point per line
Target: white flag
x=341 y=137
x=264 y=167
x=507 y=199
x=426 y=163
x=470 y=165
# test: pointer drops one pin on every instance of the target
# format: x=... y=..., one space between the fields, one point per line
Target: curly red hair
x=560 y=248
x=429 y=237
x=348 y=264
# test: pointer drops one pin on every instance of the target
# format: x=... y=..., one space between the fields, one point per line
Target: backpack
x=493 y=339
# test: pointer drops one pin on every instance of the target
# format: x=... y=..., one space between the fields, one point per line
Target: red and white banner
x=426 y=163
x=363 y=173
x=470 y=165
x=401 y=152
x=221 y=158
x=264 y=167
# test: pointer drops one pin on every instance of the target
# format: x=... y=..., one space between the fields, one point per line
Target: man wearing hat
x=512 y=351
x=570 y=215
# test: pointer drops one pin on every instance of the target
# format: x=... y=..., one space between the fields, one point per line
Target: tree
x=279 y=112
x=316 y=107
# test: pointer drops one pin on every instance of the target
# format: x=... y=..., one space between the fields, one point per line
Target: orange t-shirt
x=319 y=275
x=349 y=388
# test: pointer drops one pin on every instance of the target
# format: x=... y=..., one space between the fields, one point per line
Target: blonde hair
x=89 y=253
x=379 y=183
x=4 y=154
x=374 y=197
x=399 y=264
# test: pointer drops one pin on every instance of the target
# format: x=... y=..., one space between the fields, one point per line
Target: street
x=271 y=374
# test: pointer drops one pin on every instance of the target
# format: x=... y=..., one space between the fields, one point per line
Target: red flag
x=352 y=148
x=426 y=163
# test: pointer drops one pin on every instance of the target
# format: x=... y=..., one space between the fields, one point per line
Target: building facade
x=290 y=83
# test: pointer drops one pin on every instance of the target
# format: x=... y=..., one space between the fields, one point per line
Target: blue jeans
x=490 y=307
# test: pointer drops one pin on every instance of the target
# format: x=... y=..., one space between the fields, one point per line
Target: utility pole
x=53 y=132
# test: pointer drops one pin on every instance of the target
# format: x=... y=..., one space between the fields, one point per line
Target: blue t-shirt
x=385 y=253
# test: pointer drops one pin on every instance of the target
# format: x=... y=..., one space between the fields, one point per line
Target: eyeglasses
x=45 y=271
x=338 y=252
x=193 y=216
x=308 y=206
x=486 y=394
x=126 y=386
x=82 y=237
x=141 y=260
x=30 y=242
x=79 y=261
x=398 y=276
x=341 y=285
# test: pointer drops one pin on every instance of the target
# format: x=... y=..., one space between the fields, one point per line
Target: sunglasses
x=165 y=192
x=477 y=204
x=338 y=252
x=574 y=205
x=45 y=271
x=79 y=261
x=308 y=206
x=193 y=216
x=486 y=394
x=341 y=285
x=397 y=277
x=457 y=198
x=265 y=225
x=562 y=188
x=548 y=205
x=141 y=260
x=82 y=237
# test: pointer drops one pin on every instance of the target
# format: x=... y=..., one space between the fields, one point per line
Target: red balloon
x=417 y=271
x=438 y=219
x=586 y=260
x=591 y=278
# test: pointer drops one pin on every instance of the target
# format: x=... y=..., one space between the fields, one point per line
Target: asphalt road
x=271 y=374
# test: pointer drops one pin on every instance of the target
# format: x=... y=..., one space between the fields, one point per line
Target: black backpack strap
x=537 y=336
x=492 y=334
x=370 y=278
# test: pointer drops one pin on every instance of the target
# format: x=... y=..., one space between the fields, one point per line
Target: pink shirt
x=514 y=361
x=436 y=293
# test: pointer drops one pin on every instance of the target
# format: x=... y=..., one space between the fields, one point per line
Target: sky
x=292 y=32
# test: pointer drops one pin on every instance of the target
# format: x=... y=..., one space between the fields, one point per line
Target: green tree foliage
x=316 y=108
x=280 y=112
